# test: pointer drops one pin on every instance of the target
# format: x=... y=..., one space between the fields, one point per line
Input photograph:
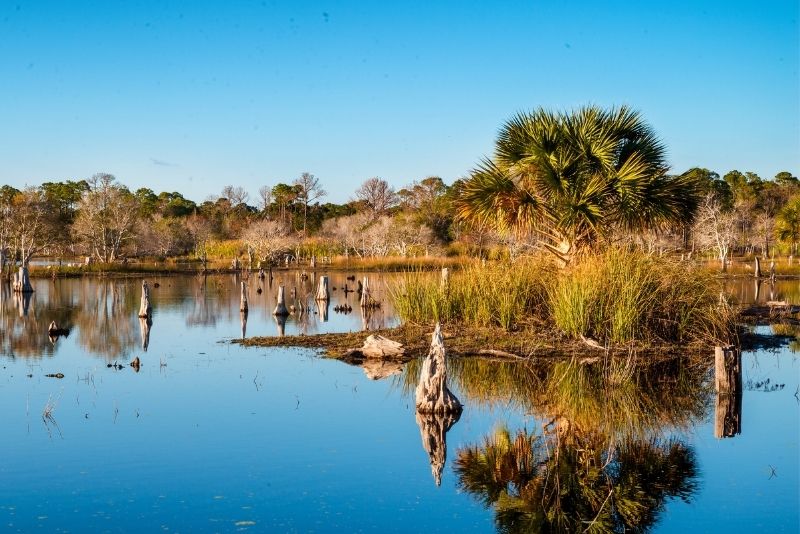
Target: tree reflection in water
x=566 y=482
x=603 y=460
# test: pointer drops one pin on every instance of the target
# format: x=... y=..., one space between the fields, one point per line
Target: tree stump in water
x=313 y=262
x=243 y=299
x=757 y=272
x=432 y=394
x=322 y=289
x=433 y=431
x=243 y=322
x=280 y=308
x=22 y=281
x=728 y=383
x=145 y=310
x=366 y=298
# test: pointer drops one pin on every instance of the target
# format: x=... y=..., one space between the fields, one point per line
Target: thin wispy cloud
x=162 y=163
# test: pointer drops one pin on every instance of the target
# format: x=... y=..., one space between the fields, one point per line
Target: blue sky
x=191 y=96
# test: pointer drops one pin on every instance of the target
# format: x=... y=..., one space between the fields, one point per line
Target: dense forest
x=101 y=218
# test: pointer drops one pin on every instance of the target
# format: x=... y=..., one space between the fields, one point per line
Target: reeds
x=614 y=297
x=502 y=294
x=622 y=296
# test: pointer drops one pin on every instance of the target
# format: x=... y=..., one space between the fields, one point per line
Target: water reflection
x=433 y=430
x=144 y=328
x=103 y=313
x=571 y=482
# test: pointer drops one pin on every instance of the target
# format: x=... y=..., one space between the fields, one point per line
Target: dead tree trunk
x=243 y=299
x=728 y=384
x=145 y=310
x=757 y=272
x=445 y=279
x=243 y=321
x=366 y=297
x=322 y=289
x=280 y=308
x=432 y=395
x=22 y=282
x=313 y=262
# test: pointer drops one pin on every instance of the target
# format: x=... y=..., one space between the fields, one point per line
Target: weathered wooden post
x=366 y=297
x=757 y=272
x=145 y=310
x=280 y=308
x=322 y=289
x=243 y=299
x=728 y=385
x=432 y=394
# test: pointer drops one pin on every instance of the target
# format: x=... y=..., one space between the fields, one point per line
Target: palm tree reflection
x=565 y=482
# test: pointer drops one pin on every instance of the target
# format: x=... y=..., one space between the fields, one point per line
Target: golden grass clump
x=622 y=296
x=499 y=294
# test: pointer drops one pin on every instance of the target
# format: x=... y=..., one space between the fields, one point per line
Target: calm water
x=208 y=436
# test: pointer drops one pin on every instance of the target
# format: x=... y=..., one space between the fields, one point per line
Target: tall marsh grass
x=615 y=297
x=501 y=294
x=623 y=296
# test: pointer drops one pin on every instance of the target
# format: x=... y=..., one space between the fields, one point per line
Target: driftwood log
x=728 y=385
x=432 y=394
x=145 y=310
x=378 y=347
x=280 y=308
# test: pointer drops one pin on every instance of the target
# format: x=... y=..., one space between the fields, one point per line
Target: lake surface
x=209 y=436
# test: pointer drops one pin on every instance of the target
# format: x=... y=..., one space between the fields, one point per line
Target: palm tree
x=787 y=227
x=567 y=179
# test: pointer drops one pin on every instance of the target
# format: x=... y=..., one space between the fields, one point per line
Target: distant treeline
x=101 y=218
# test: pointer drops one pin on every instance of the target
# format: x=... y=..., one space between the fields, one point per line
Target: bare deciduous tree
x=33 y=223
x=106 y=218
x=378 y=195
x=714 y=227
x=267 y=239
x=235 y=195
x=265 y=197
x=309 y=190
